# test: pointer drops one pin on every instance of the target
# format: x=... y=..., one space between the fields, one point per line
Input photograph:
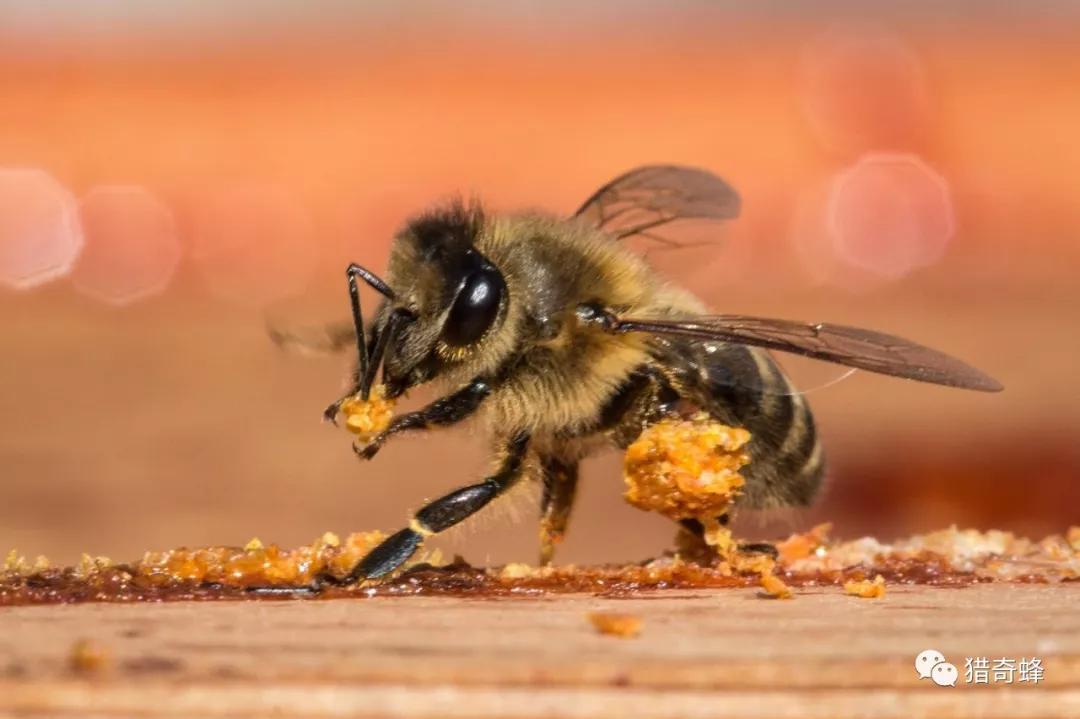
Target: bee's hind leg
x=760 y=548
x=697 y=529
x=439 y=515
x=560 y=487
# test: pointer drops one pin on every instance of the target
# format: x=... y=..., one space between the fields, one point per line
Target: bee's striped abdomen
x=744 y=387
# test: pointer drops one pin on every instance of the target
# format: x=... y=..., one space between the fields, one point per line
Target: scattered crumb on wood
x=517 y=570
x=867 y=589
x=801 y=546
x=616 y=625
x=86 y=657
x=15 y=563
x=1073 y=538
x=949 y=557
x=255 y=564
x=774 y=586
x=89 y=566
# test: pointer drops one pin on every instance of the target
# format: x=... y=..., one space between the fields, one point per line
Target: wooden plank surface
x=700 y=654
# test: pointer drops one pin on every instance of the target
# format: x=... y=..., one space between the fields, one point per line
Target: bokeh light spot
x=890 y=214
x=40 y=237
x=254 y=244
x=863 y=87
x=132 y=249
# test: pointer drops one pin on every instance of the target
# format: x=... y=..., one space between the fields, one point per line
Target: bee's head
x=447 y=295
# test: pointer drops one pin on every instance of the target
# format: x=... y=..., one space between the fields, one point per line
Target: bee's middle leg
x=439 y=515
x=560 y=486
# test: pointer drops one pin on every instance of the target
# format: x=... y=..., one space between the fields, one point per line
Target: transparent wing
x=850 y=346
x=650 y=202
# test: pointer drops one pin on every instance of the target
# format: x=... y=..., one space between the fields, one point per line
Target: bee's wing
x=850 y=346
x=647 y=201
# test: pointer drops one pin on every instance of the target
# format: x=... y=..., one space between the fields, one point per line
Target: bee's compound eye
x=475 y=308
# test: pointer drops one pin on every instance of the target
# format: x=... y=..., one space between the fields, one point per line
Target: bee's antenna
x=381 y=338
x=372 y=279
x=351 y=273
x=366 y=365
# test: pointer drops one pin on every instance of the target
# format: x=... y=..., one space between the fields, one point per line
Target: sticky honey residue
x=616 y=624
x=254 y=564
x=366 y=418
x=686 y=468
x=948 y=557
x=866 y=588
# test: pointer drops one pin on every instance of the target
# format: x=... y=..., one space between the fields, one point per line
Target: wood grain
x=700 y=654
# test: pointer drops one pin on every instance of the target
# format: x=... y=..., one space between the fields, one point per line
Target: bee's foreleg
x=442 y=412
x=367 y=358
x=560 y=486
x=440 y=515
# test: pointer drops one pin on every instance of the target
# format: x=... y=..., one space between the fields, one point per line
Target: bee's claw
x=369 y=450
x=330 y=413
x=323 y=580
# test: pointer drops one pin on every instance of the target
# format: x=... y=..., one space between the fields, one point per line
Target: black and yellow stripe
x=744 y=387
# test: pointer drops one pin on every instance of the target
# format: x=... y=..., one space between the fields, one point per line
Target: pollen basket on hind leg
x=686 y=468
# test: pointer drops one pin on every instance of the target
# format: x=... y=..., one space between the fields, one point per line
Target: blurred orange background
x=173 y=178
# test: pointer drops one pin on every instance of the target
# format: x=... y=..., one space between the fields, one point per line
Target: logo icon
x=931 y=664
x=944 y=674
x=925 y=662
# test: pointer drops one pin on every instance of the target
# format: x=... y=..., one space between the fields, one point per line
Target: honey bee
x=560 y=340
